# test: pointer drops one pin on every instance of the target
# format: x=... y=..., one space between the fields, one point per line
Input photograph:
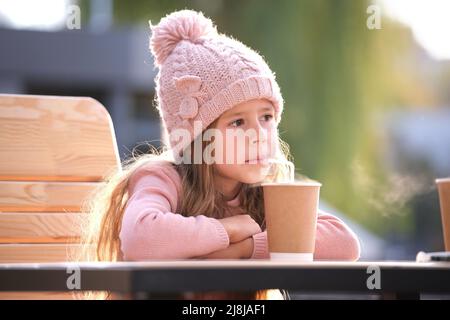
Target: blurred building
x=114 y=67
x=418 y=149
x=421 y=136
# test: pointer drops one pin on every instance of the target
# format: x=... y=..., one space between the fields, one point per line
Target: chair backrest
x=53 y=152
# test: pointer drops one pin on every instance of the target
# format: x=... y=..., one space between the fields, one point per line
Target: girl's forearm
x=238 y=250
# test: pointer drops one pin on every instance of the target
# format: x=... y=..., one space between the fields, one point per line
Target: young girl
x=169 y=205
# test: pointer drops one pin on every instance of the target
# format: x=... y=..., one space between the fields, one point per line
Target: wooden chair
x=53 y=152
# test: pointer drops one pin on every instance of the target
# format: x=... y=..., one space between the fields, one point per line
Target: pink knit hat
x=203 y=73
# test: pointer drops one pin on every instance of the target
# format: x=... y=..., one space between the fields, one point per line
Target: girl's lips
x=257 y=161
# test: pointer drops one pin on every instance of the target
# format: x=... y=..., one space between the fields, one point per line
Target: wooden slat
x=10 y=253
x=36 y=296
x=55 y=138
x=40 y=240
x=44 y=295
x=29 y=196
x=18 y=227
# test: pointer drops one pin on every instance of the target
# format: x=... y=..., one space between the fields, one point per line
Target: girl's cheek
x=222 y=150
x=272 y=143
x=227 y=151
x=234 y=148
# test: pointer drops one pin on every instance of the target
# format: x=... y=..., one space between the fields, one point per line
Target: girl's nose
x=260 y=132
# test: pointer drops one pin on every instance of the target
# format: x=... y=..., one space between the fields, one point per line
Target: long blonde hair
x=105 y=206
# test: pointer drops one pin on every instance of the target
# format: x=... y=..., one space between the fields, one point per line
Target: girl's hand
x=240 y=227
x=238 y=250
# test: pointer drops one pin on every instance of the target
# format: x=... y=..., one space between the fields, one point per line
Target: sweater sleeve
x=334 y=241
x=152 y=230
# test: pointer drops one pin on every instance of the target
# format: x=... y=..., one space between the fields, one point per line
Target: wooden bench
x=53 y=152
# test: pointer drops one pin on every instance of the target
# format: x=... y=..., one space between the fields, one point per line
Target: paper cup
x=291 y=219
x=444 y=201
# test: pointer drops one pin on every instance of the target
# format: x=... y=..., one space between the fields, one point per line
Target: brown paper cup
x=291 y=219
x=444 y=201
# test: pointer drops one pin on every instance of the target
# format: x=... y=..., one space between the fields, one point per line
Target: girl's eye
x=237 y=123
x=268 y=117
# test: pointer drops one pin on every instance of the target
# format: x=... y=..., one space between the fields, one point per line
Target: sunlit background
x=367 y=110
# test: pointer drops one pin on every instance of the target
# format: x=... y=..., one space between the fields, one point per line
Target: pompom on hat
x=203 y=73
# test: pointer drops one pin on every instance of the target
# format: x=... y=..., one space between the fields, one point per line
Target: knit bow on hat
x=189 y=86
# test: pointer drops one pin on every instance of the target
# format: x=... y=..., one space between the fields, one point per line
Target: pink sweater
x=151 y=228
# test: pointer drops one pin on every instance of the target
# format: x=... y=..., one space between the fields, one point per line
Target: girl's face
x=250 y=138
